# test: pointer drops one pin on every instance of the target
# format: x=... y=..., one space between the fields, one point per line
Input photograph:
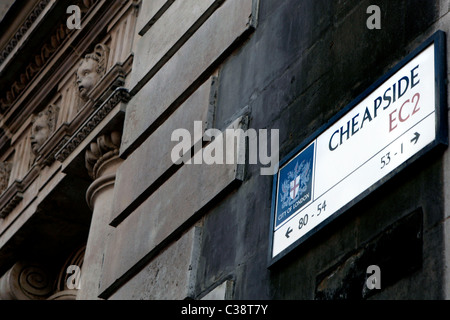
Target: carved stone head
x=91 y=69
x=43 y=124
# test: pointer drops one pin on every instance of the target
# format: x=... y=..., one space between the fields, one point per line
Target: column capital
x=103 y=150
x=26 y=281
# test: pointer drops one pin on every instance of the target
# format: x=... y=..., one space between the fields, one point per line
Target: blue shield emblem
x=295 y=185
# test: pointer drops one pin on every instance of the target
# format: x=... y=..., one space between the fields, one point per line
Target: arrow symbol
x=416 y=137
x=289 y=230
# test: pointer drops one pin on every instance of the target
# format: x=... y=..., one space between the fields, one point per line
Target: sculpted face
x=39 y=133
x=87 y=77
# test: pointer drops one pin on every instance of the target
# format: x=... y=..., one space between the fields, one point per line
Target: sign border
x=441 y=140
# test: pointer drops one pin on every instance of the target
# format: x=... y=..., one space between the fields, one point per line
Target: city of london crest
x=295 y=184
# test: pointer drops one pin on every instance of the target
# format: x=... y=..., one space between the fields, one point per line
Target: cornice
x=54 y=41
x=14 y=193
x=22 y=30
x=119 y=95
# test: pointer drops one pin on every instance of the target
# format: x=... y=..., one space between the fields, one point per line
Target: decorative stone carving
x=54 y=42
x=10 y=203
x=26 y=281
x=5 y=171
x=43 y=124
x=23 y=29
x=119 y=95
x=103 y=149
x=34 y=67
x=92 y=67
x=12 y=195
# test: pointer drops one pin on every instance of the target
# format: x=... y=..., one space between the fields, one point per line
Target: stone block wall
x=185 y=231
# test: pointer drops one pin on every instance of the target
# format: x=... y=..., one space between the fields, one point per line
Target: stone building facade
x=96 y=204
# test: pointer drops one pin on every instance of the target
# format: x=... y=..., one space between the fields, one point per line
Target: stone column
x=102 y=161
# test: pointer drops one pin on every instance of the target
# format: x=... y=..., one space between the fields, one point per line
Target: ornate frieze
x=10 y=204
x=119 y=95
x=13 y=194
x=43 y=124
x=23 y=29
x=33 y=67
x=54 y=42
x=5 y=171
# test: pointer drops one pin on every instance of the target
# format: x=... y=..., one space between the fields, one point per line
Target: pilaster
x=102 y=161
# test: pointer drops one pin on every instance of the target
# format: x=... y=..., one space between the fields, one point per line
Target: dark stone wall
x=307 y=60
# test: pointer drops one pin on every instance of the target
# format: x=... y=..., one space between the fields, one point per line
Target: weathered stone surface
x=317 y=57
x=175 y=267
x=397 y=252
x=166 y=36
x=153 y=158
x=223 y=291
x=148 y=11
x=163 y=214
x=169 y=87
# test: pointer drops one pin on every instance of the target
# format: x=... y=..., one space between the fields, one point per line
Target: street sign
x=394 y=122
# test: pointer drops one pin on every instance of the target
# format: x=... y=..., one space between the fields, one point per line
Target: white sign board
x=379 y=133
